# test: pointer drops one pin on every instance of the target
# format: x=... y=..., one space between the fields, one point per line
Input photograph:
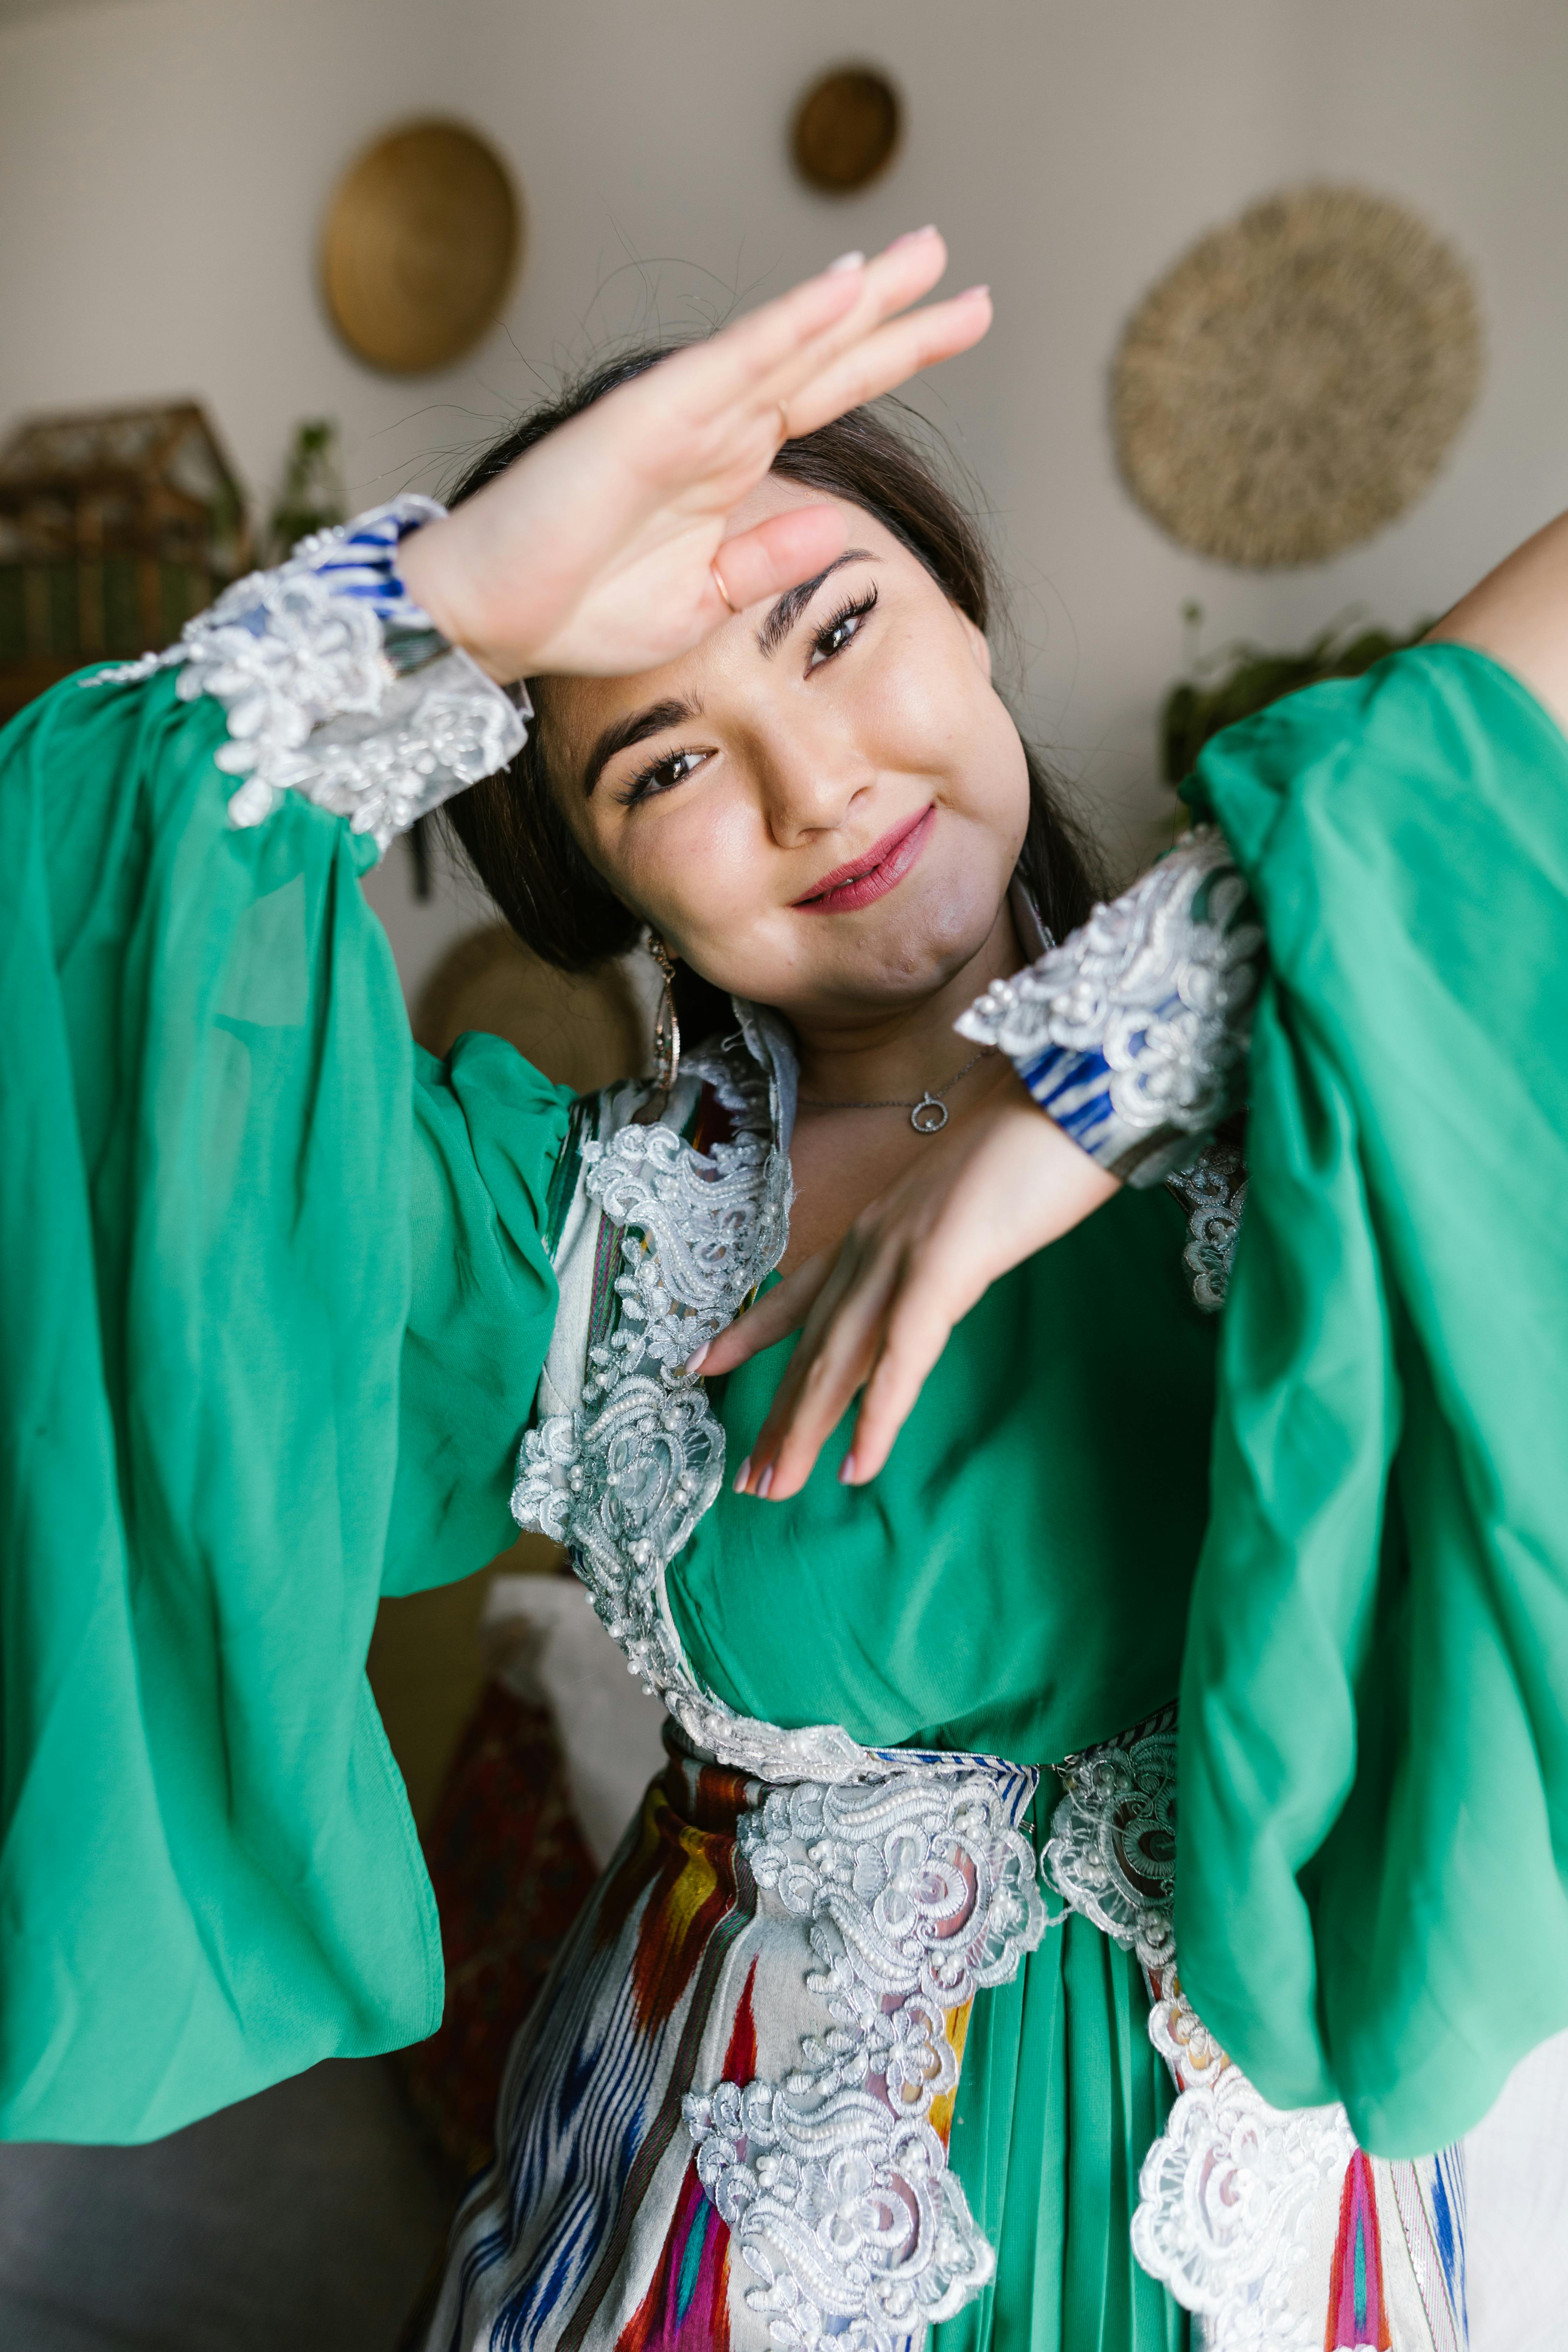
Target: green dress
x=1014 y=1582
x=277 y=1305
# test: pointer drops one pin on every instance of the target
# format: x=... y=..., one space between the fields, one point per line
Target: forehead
x=573 y=711
x=775 y=495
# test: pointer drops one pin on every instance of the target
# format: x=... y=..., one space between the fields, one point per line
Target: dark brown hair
x=512 y=825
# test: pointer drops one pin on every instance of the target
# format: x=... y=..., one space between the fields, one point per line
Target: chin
x=917 y=948
x=947 y=925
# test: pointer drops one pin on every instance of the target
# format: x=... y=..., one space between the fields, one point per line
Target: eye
x=841 y=631
x=658 y=776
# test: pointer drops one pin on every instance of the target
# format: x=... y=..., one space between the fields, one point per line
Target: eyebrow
x=638 y=725
x=794 y=601
x=635 y=727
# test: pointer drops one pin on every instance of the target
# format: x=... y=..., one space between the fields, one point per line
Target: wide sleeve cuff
x=1134 y=1032
x=338 y=687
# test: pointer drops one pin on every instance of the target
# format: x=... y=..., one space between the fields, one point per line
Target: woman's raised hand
x=1000 y=1184
x=594 y=551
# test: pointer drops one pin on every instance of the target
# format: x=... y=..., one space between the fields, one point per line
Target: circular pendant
x=929 y=1116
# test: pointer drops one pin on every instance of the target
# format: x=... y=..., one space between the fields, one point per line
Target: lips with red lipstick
x=875 y=871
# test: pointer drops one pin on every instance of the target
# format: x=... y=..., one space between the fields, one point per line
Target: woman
x=273 y=1317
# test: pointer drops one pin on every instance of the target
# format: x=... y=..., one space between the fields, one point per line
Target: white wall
x=164 y=165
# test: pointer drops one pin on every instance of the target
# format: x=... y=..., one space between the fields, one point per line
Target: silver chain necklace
x=927 y=1117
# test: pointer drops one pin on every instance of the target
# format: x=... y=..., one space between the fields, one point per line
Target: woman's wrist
x=1133 y=1033
x=430 y=565
x=1062 y=1181
x=339 y=686
x=442 y=567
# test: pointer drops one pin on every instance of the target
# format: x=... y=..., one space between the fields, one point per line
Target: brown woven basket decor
x=422 y=242
x=1296 y=380
x=846 y=129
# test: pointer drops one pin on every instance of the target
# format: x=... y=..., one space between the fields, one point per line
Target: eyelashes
x=842 y=630
x=835 y=636
x=669 y=768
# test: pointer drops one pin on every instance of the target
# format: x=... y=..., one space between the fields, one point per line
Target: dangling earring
x=665 y=1028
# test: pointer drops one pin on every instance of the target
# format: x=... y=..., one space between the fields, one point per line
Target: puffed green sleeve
x=1373 y=1835
x=276 y=1303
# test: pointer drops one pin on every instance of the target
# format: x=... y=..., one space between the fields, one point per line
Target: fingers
x=916 y=1332
x=835 y=1353
x=909 y=269
x=885 y=1343
x=773 y=556
x=766 y=562
x=757 y=1472
x=1003 y=1183
x=772 y=1319
x=746 y=357
x=765 y=358
x=889 y=357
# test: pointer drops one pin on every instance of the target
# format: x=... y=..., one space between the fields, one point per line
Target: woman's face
x=821 y=807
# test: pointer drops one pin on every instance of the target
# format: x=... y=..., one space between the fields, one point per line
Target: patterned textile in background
x=692 y=2116
x=511 y=1873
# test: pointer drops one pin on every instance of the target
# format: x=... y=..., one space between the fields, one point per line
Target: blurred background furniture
x=116 y=527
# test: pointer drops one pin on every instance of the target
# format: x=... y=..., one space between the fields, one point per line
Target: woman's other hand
x=999 y=1184
x=594 y=553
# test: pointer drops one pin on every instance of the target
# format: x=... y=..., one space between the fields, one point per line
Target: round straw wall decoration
x=423 y=240
x=846 y=129
x=1296 y=380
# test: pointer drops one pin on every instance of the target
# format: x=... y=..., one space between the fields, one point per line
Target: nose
x=811 y=775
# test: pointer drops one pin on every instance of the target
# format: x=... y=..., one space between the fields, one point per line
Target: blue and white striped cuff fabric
x=360 y=560
x=1132 y=1035
x=1074 y=1085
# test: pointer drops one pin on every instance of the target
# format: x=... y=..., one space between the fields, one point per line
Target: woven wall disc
x=846 y=129
x=423 y=239
x=1296 y=380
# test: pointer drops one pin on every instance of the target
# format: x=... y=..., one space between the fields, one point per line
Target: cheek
x=931 y=711
x=691 y=868
x=910 y=705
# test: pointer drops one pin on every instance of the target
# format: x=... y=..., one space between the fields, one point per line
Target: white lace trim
x=1159 y=984
x=1227 y=2192
x=917 y=1892
x=911 y=1883
x=316 y=706
x=624 y=1477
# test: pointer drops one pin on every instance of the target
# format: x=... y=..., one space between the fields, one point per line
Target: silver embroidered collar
x=661 y=1248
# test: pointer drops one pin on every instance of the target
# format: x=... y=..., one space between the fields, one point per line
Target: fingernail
x=847 y=1471
x=844 y=262
x=913 y=236
x=765 y=1484
x=742 y=1474
x=969 y=290
x=695 y=1363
